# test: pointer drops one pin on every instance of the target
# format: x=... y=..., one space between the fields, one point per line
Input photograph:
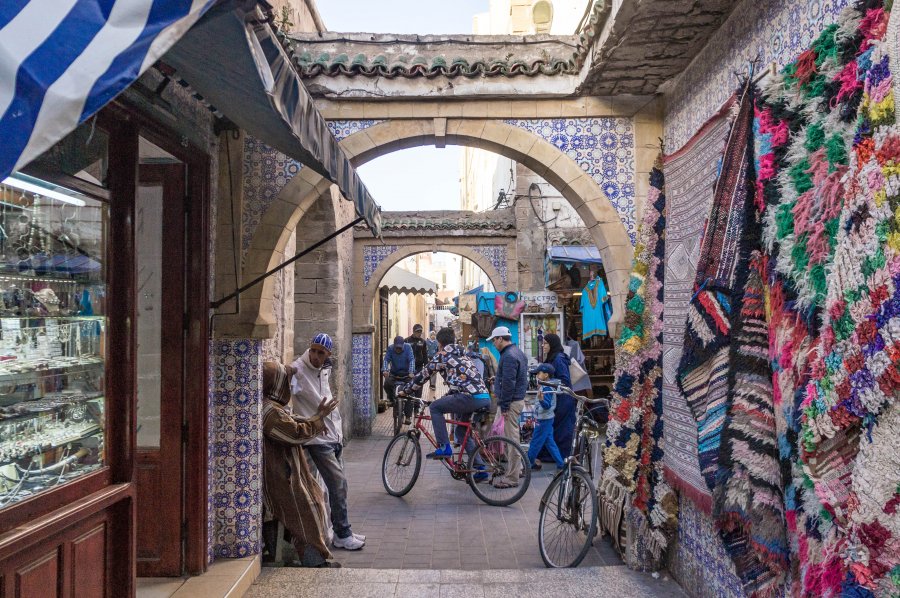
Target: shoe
x=536 y=467
x=359 y=537
x=501 y=485
x=445 y=452
x=481 y=475
x=407 y=421
x=348 y=543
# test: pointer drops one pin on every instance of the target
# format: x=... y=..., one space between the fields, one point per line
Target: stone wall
x=322 y=292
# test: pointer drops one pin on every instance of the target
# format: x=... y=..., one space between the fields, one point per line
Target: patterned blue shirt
x=457 y=370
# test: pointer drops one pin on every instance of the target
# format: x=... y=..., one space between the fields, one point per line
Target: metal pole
x=216 y=304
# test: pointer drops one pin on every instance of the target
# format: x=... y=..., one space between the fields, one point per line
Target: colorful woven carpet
x=633 y=453
x=859 y=378
x=827 y=172
x=703 y=374
x=690 y=178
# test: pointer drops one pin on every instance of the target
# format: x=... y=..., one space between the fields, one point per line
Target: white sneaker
x=349 y=543
x=359 y=537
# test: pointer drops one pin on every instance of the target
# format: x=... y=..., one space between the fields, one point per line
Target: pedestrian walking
x=564 y=420
x=510 y=385
x=543 y=414
x=309 y=386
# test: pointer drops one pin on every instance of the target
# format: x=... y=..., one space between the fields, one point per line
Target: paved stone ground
x=597 y=582
x=441 y=540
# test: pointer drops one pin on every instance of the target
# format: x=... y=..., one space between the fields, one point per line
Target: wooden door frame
x=195 y=449
x=169 y=456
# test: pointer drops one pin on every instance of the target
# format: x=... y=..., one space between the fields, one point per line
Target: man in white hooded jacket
x=308 y=386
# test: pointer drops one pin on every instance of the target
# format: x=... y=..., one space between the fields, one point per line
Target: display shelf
x=38 y=447
x=94 y=318
x=25 y=376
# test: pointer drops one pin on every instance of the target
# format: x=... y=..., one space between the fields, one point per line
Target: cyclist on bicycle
x=398 y=367
x=468 y=392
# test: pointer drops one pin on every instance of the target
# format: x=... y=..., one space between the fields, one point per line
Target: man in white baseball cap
x=510 y=385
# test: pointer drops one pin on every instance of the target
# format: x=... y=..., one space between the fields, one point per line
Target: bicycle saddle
x=482 y=411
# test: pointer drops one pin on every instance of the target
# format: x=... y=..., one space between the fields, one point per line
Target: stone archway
x=543 y=158
x=365 y=296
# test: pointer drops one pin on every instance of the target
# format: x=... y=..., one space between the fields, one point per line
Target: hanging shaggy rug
x=633 y=453
x=828 y=174
x=690 y=179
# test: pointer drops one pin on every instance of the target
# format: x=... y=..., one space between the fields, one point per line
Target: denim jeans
x=461 y=403
x=327 y=459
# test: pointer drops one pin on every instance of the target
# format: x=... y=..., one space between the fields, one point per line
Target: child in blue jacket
x=543 y=415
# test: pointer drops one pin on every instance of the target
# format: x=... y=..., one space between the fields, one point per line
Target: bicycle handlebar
x=560 y=387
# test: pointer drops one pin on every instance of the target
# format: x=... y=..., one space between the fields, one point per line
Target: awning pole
x=218 y=303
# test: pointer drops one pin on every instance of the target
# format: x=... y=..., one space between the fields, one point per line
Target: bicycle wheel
x=398 y=415
x=568 y=519
x=401 y=464
x=490 y=453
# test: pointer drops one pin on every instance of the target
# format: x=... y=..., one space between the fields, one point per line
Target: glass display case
x=52 y=336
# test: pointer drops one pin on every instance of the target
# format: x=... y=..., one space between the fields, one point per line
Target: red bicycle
x=403 y=460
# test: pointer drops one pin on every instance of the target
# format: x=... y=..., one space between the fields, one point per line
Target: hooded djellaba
x=290 y=493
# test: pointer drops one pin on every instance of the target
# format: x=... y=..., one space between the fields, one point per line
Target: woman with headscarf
x=564 y=419
x=290 y=493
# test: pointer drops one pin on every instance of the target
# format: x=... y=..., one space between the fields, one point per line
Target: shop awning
x=574 y=254
x=62 y=60
x=398 y=280
x=235 y=61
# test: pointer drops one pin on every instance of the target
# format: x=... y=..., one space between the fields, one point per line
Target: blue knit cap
x=323 y=340
x=545 y=368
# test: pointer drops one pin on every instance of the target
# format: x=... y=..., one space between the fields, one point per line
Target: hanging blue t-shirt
x=596 y=310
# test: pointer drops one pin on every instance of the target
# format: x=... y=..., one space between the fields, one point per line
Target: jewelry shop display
x=52 y=331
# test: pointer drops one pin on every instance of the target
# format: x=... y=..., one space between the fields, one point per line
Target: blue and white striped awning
x=63 y=60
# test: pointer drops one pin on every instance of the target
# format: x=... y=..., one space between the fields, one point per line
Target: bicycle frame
x=575 y=460
x=455 y=464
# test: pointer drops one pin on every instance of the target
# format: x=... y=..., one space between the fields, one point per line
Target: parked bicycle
x=402 y=461
x=569 y=511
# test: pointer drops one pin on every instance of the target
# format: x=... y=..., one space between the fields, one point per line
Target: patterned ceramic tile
x=496 y=255
x=604 y=148
x=211 y=456
x=237 y=490
x=699 y=560
x=363 y=408
x=266 y=172
x=373 y=255
x=772 y=30
x=342 y=129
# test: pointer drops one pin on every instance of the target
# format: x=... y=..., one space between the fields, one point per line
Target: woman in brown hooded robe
x=290 y=492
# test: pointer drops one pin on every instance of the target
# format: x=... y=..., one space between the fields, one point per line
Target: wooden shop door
x=160 y=292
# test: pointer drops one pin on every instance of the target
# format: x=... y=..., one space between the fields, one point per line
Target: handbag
x=576 y=372
x=483 y=323
x=508 y=305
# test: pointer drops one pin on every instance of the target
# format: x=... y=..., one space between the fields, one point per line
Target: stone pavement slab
x=600 y=582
